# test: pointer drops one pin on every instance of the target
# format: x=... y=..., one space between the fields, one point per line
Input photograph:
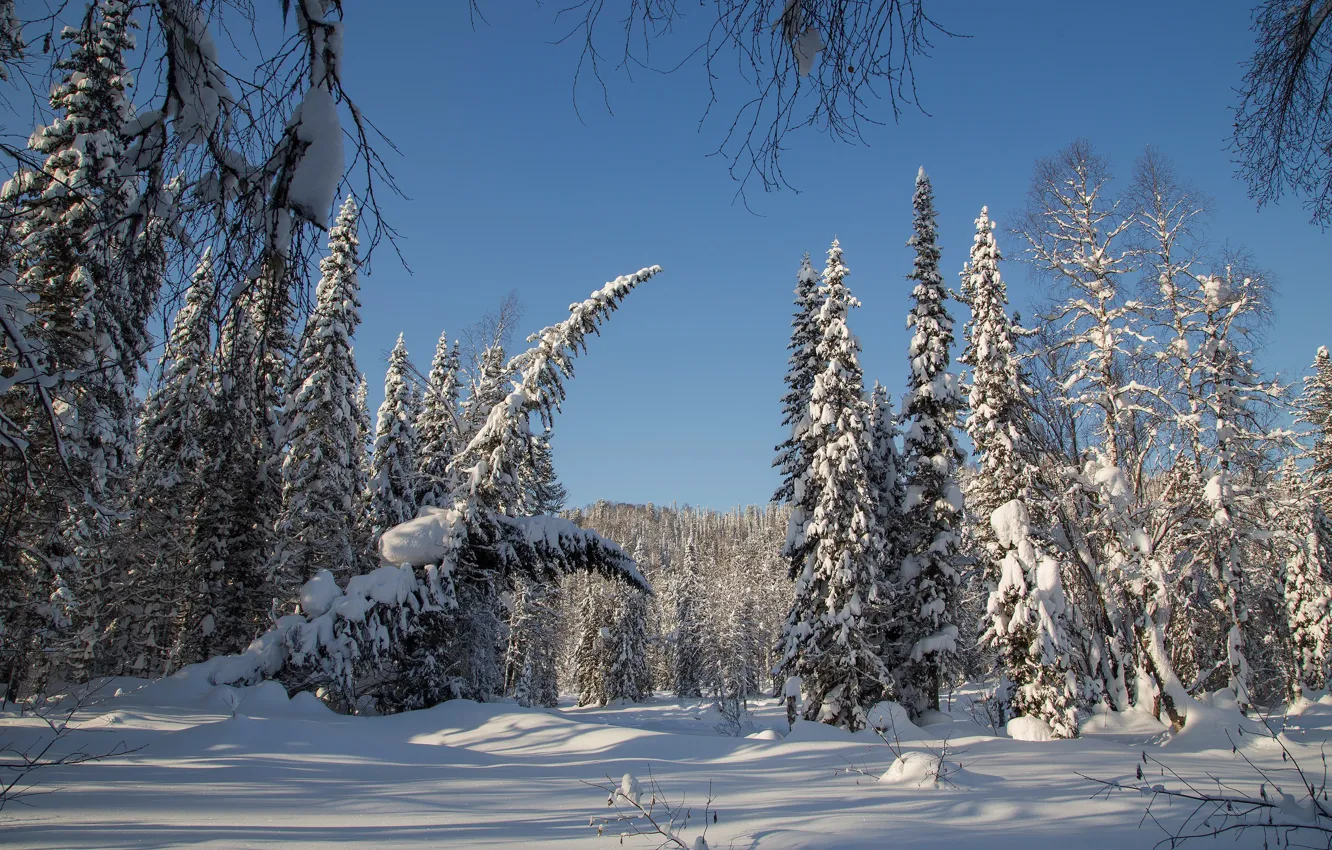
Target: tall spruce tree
x=590 y=657
x=392 y=484
x=995 y=400
x=686 y=592
x=1315 y=410
x=438 y=429
x=803 y=365
x=1026 y=610
x=885 y=478
x=316 y=527
x=1305 y=539
x=628 y=676
x=168 y=481
x=836 y=550
x=68 y=215
x=219 y=609
x=926 y=654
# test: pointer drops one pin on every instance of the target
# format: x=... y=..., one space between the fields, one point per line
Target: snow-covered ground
x=246 y=767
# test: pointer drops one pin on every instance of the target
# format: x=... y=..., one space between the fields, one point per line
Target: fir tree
x=364 y=446
x=316 y=528
x=438 y=429
x=836 y=550
x=391 y=486
x=1025 y=613
x=530 y=670
x=804 y=364
x=927 y=649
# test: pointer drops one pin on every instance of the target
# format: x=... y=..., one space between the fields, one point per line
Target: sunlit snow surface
x=246 y=767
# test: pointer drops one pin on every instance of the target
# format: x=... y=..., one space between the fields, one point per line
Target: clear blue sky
x=678 y=400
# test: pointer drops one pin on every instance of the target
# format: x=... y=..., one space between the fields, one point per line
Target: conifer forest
x=1036 y=547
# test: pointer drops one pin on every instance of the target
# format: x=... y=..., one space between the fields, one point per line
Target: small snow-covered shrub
x=643 y=810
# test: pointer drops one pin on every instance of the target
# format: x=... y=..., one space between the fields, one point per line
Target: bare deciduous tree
x=1283 y=124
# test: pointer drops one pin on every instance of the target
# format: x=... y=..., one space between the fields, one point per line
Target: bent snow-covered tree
x=404 y=636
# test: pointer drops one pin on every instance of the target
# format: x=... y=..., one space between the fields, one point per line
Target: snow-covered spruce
x=628 y=677
x=1304 y=536
x=530 y=663
x=1315 y=410
x=1026 y=614
x=803 y=365
x=439 y=428
x=590 y=655
x=924 y=654
x=391 y=486
x=168 y=480
x=67 y=230
x=686 y=590
x=316 y=529
x=995 y=395
x=835 y=549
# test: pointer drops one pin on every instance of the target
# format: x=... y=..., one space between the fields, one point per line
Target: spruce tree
x=489 y=389
x=590 y=657
x=364 y=446
x=220 y=605
x=628 y=676
x=927 y=650
x=438 y=429
x=804 y=364
x=530 y=670
x=69 y=263
x=836 y=550
x=995 y=401
x=1305 y=536
x=316 y=527
x=545 y=493
x=392 y=484
x=686 y=592
x=1026 y=617
x=168 y=481
x=1315 y=410
x=885 y=478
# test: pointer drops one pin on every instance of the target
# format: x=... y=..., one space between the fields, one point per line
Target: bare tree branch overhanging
x=1283 y=124
x=821 y=64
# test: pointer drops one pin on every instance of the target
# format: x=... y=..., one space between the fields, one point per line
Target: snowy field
x=246 y=767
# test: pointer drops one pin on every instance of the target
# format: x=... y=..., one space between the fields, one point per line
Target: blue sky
x=678 y=400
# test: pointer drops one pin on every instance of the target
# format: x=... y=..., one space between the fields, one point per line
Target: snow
x=246 y=767
x=918 y=769
x=807 y=48
x=1028 y=729
x=314 y=185
x=424 y=540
